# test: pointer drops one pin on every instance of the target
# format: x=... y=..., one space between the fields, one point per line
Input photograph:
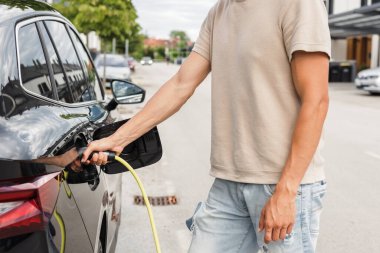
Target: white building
x=355 y=25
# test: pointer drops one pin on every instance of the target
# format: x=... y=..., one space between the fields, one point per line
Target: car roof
x=11 y=10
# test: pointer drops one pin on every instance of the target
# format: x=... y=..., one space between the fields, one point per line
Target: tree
x=181 y=39
x=38 y=6
x=108 y=18
x=179 y=34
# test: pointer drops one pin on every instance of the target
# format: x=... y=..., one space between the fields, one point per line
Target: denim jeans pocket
x=318 y=192
x=190 y=223
x=269 y=189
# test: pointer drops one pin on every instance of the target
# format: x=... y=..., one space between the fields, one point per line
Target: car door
x=112 y=195
x=41 y=75
x=84 y=87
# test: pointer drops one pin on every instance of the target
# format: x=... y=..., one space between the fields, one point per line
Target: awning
x=361 y=21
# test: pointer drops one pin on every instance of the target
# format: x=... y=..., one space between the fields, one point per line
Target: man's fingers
x=268 y=223
x=261 y=222
x=95 y=158
x=283 y=233
x=105 y=160
x=290 y=228
x=276 y=234
x=102 y=158
x=268 y=234
x=87 y=152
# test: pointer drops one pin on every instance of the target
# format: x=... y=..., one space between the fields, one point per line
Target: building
x=355 y=29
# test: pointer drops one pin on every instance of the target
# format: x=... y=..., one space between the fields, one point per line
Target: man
x=269 y=63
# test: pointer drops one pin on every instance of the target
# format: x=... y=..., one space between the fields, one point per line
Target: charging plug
x=110 y=155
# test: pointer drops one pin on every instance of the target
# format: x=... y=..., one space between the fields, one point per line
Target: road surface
x=350 y=221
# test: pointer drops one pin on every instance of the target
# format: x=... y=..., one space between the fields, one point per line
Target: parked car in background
x=146 y=61
x=114 y=66
x=51 y=106
x=369 y=80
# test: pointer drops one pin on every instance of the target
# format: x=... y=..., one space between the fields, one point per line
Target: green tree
x=38 y=6
x=182 y=39
x=108 y=18
x=179 y=34
x=159 y=53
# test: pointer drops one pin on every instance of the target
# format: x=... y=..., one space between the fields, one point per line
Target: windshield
x=112 y=61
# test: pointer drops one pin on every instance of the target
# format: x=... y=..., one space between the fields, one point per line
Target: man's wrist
x=287 y=186
x=118 y=140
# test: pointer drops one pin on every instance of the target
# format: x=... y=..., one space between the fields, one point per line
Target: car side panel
x=67 y=229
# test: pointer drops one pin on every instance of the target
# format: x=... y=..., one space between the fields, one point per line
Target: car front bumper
x=367 y=84
x=372 y=88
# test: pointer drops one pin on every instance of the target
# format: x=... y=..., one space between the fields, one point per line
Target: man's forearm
x=167 y=101
x=305 y=140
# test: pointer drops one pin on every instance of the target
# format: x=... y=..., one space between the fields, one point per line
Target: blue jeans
x=228 y=221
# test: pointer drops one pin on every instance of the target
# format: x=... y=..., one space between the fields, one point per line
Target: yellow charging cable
x=145 y=197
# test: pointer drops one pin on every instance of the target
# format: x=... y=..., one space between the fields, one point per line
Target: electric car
x=51 y=106
x=369 y=80
x=146 y=61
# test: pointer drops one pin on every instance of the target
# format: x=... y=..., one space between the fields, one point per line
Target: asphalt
x=350 y=219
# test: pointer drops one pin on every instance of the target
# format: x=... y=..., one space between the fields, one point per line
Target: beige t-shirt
x=254 y=102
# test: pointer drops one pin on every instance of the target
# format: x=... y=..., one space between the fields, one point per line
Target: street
x=352 y=151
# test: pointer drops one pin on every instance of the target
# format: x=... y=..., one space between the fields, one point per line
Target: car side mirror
x=125 y=92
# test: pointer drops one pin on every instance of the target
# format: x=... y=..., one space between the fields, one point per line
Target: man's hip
x=228 y=221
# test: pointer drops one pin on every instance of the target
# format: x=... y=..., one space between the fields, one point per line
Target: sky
x=159 y=17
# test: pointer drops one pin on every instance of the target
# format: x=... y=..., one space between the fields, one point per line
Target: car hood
x=115 y=72
x=368 y=72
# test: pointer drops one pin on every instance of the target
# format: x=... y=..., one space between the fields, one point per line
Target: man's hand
x=278 y=215
x=105 y=144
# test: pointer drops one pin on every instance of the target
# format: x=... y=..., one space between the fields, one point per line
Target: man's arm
x=310 y=77
x=167 y=101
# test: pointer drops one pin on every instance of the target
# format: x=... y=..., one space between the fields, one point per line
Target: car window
x=33 y=67
x=64 y=94
x=69 y=60
x=95 y=90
